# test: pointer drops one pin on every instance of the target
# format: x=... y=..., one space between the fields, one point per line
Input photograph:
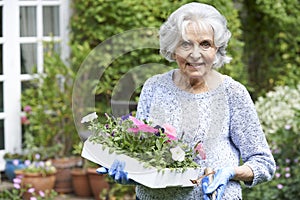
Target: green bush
x=279 y=112
x=271 y=34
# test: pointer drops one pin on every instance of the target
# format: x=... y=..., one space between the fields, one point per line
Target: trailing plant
x=156 y=146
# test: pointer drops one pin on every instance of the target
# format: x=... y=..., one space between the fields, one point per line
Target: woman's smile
x=194 y=65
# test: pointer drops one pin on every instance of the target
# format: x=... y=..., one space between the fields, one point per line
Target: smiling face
x=196 y=52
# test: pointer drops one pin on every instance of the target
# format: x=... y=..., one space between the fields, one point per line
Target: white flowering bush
x=279 y=109
x=279 y=112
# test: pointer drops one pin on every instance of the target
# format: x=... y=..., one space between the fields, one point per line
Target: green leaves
x=271 y=34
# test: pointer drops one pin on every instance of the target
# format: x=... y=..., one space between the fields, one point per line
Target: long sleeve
x=247 y=135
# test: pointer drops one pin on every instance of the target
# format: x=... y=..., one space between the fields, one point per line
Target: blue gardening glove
x=204 y=183
x=116 y=171
x=221 y=179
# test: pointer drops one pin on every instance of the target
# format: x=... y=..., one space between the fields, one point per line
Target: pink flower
x=31 y=190
x=42 y=194
x=17 y=180
x=287 y=169
x=27 y=109
x=136 y=121
x=170 y=131
x=25 y=120
x=141 y=126
x=279 y=186
x=17 y=186
x=200 y=150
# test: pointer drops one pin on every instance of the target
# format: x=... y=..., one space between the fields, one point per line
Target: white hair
x=206 y=16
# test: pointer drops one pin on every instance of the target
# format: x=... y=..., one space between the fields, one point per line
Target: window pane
x=51 y=20
x=1 y=97
x=1 y=59
x=52 y=46
x=2 y=134
x=28 y=58
x=27 y=21
x=1 y=23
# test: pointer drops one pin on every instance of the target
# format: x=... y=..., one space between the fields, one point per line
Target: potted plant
x=18 y=192
x=38 y=176
x=50 y=119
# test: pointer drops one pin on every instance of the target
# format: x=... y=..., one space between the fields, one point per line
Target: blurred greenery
x=272 y=43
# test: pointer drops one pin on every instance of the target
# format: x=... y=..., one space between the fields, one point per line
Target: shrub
x=279 y=112
x=271 y=49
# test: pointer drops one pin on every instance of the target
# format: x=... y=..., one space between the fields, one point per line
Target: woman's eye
x=205 y=44
x=186 y=45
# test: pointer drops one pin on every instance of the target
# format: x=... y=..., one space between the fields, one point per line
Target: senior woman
x=205 y=107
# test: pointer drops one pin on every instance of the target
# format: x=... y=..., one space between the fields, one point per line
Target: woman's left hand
x=219 y=183
x=117 y=172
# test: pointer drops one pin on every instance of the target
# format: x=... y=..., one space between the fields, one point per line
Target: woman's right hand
x=117 y=172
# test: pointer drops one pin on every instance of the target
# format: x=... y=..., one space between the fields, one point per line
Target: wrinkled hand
x=219 y=183
x=117 y=172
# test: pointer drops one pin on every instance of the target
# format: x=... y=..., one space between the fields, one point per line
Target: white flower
x=277 y=109
x=177 y=154
x=90 y=117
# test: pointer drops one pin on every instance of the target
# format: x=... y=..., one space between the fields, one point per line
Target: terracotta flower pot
x=81 y=183
x=63 y=183
x=39 y=182
x=97 y=182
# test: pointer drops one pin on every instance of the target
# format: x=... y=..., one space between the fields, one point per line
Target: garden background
x=266 y=56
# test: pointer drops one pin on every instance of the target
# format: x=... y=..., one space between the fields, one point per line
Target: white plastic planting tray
x=150 y=177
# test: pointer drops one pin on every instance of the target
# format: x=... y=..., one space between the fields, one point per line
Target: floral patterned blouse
x=224 y=120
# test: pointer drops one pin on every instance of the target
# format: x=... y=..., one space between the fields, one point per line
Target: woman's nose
x=196 y=52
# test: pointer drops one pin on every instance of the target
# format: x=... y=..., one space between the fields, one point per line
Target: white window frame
x=12 y=77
